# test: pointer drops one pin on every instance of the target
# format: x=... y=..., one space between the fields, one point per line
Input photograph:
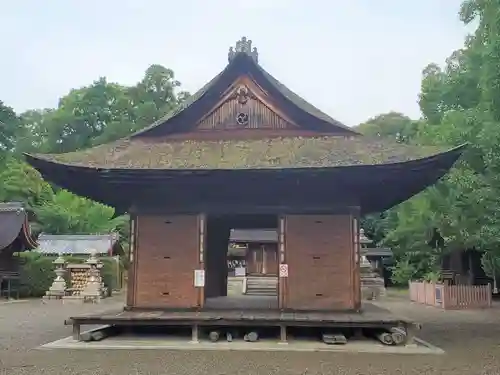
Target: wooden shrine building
x=257 y=250
x=246 y=152
x=15 y=237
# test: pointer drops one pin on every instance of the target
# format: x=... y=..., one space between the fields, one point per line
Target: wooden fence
x=451 y=297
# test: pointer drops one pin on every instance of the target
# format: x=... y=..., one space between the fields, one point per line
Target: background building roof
x=79 y=244
x=253 y=235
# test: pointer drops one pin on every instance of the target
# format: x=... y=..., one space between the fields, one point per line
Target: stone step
x=262 y=282
x=262 y=286
x=268 y=285
x=261 y=292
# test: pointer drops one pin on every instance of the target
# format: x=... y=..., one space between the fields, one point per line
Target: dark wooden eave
x=296 y=108
x=374 y=188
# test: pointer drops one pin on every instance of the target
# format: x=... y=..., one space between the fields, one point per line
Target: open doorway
x=241 y=262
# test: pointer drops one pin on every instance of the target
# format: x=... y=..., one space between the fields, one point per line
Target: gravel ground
x=470 y=340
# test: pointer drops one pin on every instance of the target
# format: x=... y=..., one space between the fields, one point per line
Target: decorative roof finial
x=244 y=45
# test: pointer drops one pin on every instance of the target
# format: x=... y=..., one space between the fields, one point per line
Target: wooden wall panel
x=166 y=256
x=319 y=254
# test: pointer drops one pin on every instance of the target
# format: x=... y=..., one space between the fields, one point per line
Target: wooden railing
x=451 y=297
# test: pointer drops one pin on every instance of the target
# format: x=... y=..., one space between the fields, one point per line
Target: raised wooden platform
x=371 y=317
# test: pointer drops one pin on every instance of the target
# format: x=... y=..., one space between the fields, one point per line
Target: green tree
x=84 y=115
x=21 y=183
x=155 y=95
x=66 y=213
x=390 y=125
x=456 y=87
x=99 y=113
x=460 y=103
x=88 y=116
x=8 y=125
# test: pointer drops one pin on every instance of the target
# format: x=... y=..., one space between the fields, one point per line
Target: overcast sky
x=353 y=59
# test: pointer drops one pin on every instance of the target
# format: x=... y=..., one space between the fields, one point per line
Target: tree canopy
x=100 y=112
x=460 y=103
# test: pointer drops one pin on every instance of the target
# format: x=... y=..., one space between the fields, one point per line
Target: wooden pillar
x=283 y=334
x=132 y=268
x=76 y=331
x=356 y=275
x=217 y=240
x=222 y=266
x=201 y=255
x=224 y=231
x=264 y=259
x=209 y=261
x=195 y=334
x=282 y=281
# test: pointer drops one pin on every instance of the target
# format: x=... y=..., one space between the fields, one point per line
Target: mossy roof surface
x=286 y=152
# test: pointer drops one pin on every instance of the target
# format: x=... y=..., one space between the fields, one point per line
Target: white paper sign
x=283 y=270
x=240 y=271
x=199 y=278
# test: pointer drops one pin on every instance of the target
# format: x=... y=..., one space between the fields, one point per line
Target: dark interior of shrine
x=222 y=291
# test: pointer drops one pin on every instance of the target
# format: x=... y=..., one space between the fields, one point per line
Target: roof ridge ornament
x=243 y=45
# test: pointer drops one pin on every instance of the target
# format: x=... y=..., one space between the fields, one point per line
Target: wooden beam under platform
x=370 y=317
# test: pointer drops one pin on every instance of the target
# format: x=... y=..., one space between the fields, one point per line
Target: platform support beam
x=358 y=334
x=195 y=334
x=76 y=332
x=410 y=334
x=283 y=334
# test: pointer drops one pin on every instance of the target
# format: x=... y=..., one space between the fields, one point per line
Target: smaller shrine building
x=15 y=237
x=255 y=250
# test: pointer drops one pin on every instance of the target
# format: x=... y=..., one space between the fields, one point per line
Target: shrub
x=36 y=275
x=402 y=272
x=432 y=276
x=110 y=272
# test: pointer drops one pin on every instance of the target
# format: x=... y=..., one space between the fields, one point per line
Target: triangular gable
x=245 y=105
x=287 y=105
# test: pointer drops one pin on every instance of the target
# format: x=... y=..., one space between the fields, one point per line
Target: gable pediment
x=244 y=98
x=245 y=105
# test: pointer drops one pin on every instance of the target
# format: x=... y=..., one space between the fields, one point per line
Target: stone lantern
x=364 y=263
x=58 y=287
x=93 y=289
x=372 y=285
x=363 y=240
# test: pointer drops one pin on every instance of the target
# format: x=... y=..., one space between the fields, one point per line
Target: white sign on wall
x=199 y=278
x=283 y=270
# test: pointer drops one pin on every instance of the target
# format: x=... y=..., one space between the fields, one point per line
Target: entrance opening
x=241 y=262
